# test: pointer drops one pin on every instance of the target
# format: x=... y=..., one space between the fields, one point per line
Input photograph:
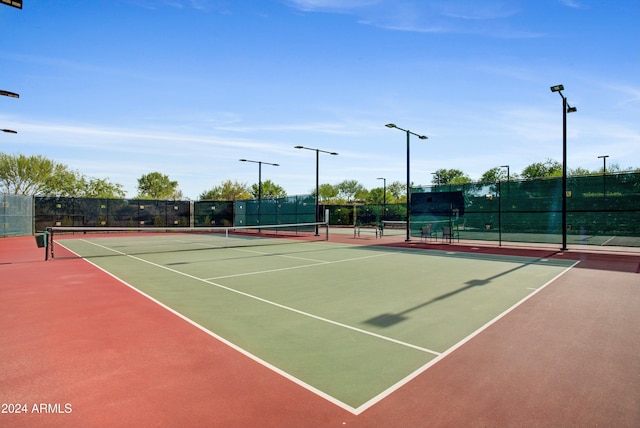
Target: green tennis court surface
x=351 y=323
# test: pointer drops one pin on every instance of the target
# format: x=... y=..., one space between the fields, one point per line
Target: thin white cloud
x=201 y=5
x=574 y=4
x=330 y=5
x=455 y=16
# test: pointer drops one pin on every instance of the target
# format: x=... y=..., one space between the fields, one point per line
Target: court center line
x=278 y=305
x=228 y=343
x=320 y=262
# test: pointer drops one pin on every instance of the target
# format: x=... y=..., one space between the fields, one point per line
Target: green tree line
x=38 y=175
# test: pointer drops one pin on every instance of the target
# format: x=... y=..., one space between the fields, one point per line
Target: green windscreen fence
x=287 y=210
x=213 y=213
x=601 y=210
x=16 y=215
x=90 y=212
x=365 y=214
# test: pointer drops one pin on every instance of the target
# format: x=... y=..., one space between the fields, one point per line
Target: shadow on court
x=388 y=320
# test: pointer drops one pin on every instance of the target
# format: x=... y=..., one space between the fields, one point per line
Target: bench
x=367 y=229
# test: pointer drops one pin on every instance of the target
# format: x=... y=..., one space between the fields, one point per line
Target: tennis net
x=110 y=241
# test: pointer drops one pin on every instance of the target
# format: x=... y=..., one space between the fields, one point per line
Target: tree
x=376 y=196
x=548 y=168
x=349 y=190
x=450 y=176
x=328 y=193
x=496 y=174
x=22 y=175
x=37 y=175
x=156 y=186
x=491 y=176
x=103 y=188
x=580 y=171
x=269 y=190
x=64 y=182
x=398 y=190
x=227 y=191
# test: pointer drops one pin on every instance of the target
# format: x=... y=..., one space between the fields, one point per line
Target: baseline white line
x=253 y=357
x=443 y=355
x=334 y=400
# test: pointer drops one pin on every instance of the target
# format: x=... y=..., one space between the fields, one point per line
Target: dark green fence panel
x=96 y=212
x=212 y=213
x=601 y=210
x=287 y=210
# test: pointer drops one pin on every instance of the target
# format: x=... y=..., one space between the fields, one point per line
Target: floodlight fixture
x=604 y=160
x=566 y=108
x=437 y=177
x=506 y=166
x=422 y=137
x=14 y=3
x=9 y=94
x=318 y=151
x=259 y=162
x=259 y=180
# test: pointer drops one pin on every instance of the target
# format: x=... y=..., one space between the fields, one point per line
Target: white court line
x=242 y=351
x=439 y=358
x=320 y=262
x=356 y=411
x=278 y=305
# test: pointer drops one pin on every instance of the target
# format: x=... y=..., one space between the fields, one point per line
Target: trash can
x=41 y=240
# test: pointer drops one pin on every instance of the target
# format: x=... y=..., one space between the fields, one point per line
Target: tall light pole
x=437 y=175
x=10 y=95
x=506 y=166
x=422 y=137
x=508 y=177
x=566 y=108
x=318 y=151
x=384 y=197
x=259 y=180
x=604 y=174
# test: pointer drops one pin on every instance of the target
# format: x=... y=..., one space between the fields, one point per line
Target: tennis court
x=296 y=330
x=350 y=323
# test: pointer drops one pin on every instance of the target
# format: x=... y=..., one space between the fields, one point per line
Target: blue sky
x=121 y=88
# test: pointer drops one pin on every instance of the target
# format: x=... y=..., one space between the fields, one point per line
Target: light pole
x=318 y=151
x=437 y=175
x=566 y=108
x=259 y=180
x=506 y=166
x=10 y=95
x=384 y=197
x=422 y=137
x=604 y=174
